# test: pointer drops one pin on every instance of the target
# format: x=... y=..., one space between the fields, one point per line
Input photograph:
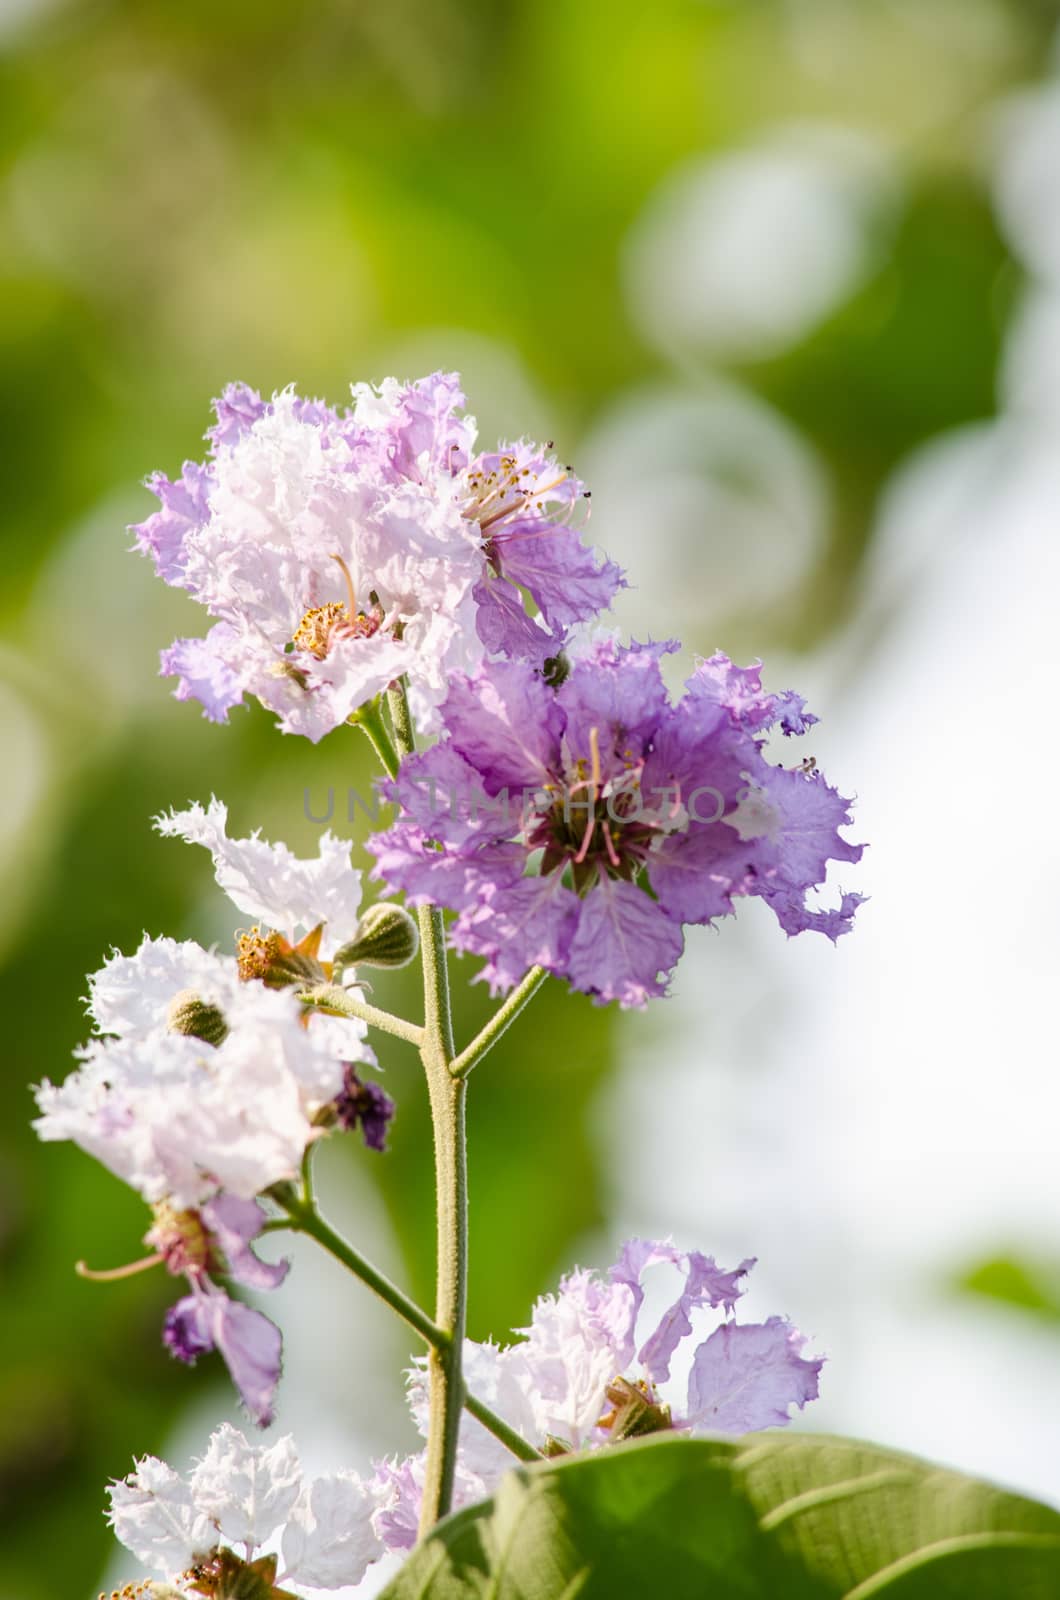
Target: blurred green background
x=194 y=193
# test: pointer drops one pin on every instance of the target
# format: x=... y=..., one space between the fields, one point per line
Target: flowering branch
x=502 y=1019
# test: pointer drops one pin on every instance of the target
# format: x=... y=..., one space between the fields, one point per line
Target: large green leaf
x=768 y=1517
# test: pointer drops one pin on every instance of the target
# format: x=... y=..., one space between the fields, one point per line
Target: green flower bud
x=386 y=937
x=191 y=1016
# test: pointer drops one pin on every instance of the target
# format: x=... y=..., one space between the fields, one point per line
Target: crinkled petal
x=718 y=681
x=623 y=941
x=329 y=1541
x=247 y=1490
x=153 y=1515
x=130 y=994
x=748 y=1376
x=506 y=723
x=185 y=506
x=522 y=925
x=268 y=882
x=206 y=671
x=565 y=578
x=506 y=628
x=706 y=1284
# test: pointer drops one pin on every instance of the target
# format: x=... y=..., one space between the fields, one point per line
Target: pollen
x=257 y=954
x=317 y=629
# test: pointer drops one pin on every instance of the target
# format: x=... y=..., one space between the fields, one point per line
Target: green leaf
x=767 y=1517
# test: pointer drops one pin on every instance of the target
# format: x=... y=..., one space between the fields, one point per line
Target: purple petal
x=748 y=1375
x=706 y=1284
x=185 y=1331
x=564 y=577
x=695 y=873
x=237 y=411
x=185 y=507
x=718 y=681
x=250 y=1345
x=622 y=942
x=234 y=1223
x=504 y=626
x=528 y=924
x=204 y=672
x=507 y=724
x=618 y=691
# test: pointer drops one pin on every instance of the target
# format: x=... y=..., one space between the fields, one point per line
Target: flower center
x=181 y=1239
x=322 y=625
x=591 y=825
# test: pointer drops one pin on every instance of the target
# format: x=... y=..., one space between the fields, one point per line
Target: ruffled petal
x=748 y=1376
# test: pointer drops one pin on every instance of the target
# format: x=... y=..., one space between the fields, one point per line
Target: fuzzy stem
x=302 y=1218
x=372 y=723
x=341 y=1003
x=447 y=1096
x=502 y=1018
x=306 y=1219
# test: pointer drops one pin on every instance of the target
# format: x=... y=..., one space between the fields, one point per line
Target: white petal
x=248 y=1491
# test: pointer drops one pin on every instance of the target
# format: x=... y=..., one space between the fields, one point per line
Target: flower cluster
x=367 y=565
x=578 y=827
x=594 y=1368
x=210 y=1081
x=338 y=552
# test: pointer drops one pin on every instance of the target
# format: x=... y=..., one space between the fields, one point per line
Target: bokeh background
x=782 y=279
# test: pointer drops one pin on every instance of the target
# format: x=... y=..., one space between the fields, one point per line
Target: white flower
x=178 y=1118
x=154 y=1515
x=269 y=883
x=130 y=994
x=249 y=1496
x=329 y=1540
x=248 y=1492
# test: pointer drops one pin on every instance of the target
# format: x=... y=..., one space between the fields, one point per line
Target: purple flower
x=365 y=1104
x=579 y=827
x=216 y=1239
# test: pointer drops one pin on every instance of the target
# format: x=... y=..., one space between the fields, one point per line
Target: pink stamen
x=611 y=851
x=114 y=1274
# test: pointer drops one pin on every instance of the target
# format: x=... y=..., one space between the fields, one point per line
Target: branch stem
x=306 y=1219
x=338 y=1002
x=502 y=1018
x=447 y=1096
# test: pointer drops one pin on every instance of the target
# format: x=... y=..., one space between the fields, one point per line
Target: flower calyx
x=633 y=1412
x=196 y=1018
x=386 y=937
x=223 y=1576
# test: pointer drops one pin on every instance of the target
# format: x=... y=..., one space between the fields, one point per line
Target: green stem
x=500 y=1429
x=302 y=1218
x=306 y=1219
x=338 y=1002
x=447 y=1096
x=501 y=1019
x=372 y=723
